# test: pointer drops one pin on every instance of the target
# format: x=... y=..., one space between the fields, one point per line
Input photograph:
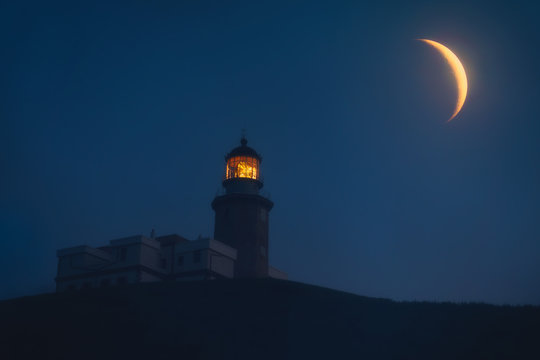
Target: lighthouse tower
x=242 y=213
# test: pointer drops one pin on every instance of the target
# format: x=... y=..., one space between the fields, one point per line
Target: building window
x=263 y=251
x=164 y=263
x=87 y=285
x=197 y=256
x=123 y=254
x=72 y=287
x=180 y=260
x=121 y=280
x=105 y=282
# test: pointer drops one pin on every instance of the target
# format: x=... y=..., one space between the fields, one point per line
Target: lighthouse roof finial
x=243 y=139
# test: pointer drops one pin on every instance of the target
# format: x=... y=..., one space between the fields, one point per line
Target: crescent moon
x=459 y=73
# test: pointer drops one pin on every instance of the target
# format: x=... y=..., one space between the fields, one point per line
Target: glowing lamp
x=242 y=167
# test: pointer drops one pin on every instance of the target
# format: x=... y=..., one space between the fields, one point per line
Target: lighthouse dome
x=243 y=150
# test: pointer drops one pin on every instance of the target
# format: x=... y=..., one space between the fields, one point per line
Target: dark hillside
x=258 y=319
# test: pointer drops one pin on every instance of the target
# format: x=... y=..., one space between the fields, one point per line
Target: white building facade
x=139 y=258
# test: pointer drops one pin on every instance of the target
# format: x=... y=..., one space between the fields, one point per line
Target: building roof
x=83 y=249
x=136 y=239
x=171 y=239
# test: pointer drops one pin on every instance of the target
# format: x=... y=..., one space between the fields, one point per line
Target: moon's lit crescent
x=459 y=73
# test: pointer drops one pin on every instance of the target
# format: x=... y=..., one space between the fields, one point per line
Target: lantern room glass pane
x=242 y=167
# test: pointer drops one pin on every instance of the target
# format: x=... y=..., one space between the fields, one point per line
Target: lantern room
x=242 y=167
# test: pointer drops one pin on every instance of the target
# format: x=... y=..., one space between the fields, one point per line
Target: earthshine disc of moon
x=459 y=73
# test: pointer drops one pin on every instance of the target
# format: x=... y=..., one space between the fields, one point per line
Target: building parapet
x=84 y=249
x=137 y=239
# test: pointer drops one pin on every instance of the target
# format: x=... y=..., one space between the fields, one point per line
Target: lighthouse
x=241 y=214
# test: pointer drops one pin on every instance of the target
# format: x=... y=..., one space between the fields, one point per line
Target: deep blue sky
x=116 y=116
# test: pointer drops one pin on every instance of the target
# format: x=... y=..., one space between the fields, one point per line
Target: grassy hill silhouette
x=258 y=319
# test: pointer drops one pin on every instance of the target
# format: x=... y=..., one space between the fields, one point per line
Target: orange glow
x=242 y=167
x=459 y=73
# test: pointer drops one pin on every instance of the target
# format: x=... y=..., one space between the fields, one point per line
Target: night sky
x=116 y=116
